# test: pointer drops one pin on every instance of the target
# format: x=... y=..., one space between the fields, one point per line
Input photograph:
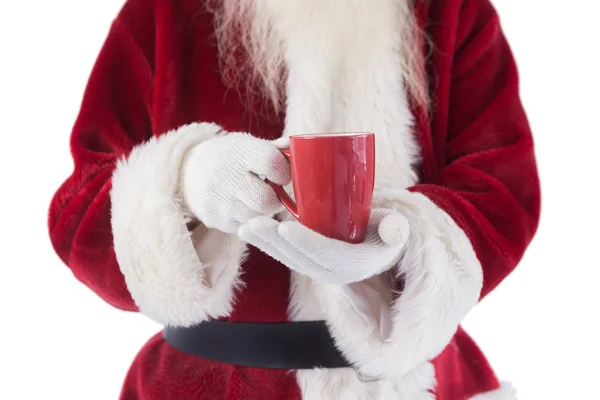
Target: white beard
x=266 y=31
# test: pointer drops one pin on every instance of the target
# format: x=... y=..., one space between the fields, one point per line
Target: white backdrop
x=540 y=328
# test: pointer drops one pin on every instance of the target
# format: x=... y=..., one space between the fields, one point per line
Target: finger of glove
x=258 y=195
x=282 y=143
x=249 y=237
x=392 y=227
x=266 y=229
x=335 y=268
x=267 y=161
x=331 y=253
x=351 y=262
x=300 y=268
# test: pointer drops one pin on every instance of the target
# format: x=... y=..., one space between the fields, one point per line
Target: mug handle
x=284 y=197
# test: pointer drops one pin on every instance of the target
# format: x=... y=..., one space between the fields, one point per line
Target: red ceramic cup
x=333 y=177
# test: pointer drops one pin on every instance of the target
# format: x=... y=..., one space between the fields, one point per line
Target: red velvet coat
x=158 y=70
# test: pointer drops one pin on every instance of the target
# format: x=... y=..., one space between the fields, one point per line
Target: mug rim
x=331 y=135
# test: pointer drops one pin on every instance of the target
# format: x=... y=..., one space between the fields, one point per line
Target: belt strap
x=287 y=345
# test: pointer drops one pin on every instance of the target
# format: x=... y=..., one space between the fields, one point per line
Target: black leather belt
x=289 y=345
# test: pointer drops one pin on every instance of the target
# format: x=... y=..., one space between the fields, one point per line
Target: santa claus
x=167 y=212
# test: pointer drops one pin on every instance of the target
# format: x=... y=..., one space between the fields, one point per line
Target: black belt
x=290 y=345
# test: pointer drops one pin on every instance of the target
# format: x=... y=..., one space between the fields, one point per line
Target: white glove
x=222 y=180
x=329 y=260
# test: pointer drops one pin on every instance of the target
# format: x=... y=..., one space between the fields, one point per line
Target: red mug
x=333 y=177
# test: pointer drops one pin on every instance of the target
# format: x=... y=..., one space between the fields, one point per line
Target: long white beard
x=259 y=29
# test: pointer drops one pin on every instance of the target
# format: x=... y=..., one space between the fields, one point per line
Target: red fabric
x=159 y=70
x=161 y=373
x=462 y=370
x=479 y=163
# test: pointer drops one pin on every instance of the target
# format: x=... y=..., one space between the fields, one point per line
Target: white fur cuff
x=443 y=280
x=168 y=276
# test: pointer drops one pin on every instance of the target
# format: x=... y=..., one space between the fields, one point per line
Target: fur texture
x=345 y=384
x=246 y=26
x=168 y=275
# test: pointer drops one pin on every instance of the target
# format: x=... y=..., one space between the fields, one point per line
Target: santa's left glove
x=328 y=260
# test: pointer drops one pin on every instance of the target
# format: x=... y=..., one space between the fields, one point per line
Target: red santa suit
x=462 y=171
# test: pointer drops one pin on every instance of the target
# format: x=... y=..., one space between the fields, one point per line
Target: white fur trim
x=506 y=392
x=344 y=384
x=169 y=271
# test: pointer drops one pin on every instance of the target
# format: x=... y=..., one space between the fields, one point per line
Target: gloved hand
x=329 y=260
x=222 y=180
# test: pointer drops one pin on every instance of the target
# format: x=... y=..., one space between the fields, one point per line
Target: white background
x=540 y=328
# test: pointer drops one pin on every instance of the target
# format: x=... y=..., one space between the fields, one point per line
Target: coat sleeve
x=118 y=221
x=490 y=186
x=113 y=118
